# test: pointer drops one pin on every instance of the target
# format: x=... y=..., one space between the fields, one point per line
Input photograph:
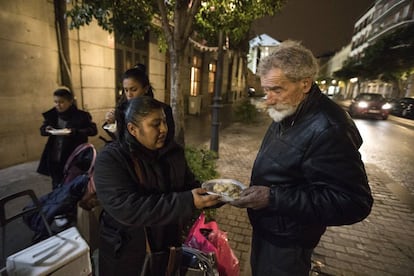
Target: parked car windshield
x=369 y=97
x=407 y=100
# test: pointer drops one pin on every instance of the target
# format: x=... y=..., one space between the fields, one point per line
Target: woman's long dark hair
x=135 y=110
x=139 y=74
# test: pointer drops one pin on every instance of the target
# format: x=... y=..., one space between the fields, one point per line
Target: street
x=389 y=146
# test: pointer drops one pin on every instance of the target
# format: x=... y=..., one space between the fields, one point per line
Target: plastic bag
x=207 y=237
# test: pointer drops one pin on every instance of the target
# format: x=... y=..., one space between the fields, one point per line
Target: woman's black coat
x=81 y=125
x=160 y=201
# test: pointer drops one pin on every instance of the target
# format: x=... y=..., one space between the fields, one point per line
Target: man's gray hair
x=296 y=61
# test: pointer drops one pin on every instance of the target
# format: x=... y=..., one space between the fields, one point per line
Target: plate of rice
x=228 y=189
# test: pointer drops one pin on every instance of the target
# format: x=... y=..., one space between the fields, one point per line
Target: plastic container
x=228 y=189
x=66 y=253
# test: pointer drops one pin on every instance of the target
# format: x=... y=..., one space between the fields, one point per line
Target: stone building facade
x=38 y=53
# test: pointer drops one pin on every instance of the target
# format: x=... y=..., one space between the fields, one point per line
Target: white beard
x=280 y=111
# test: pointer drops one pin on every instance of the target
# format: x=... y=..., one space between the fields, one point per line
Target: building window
x=127 y=54
x=211 y=76
x=405 y=11
x=397 y=17
x=195 y=76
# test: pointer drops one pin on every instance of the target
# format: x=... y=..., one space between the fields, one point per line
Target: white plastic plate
x=110 y=127
x=228 y=189
x=63 y=131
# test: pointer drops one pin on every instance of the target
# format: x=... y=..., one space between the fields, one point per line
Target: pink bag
x=82 y=161
x=207 y=237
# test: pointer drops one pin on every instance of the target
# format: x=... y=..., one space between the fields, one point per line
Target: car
x=404 y=107
x=392 y=102
x=371 y=105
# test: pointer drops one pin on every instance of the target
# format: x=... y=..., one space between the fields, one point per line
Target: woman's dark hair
x=135 y=110
x=64 y=93
x=142 y=67
x=139 y=74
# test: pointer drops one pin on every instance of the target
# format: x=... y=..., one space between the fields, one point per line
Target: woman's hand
x=110 y=116
x=203 y=200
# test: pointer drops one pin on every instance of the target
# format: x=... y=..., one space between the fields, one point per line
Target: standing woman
x=67 y=128
x=145 y=188
x=135 y=83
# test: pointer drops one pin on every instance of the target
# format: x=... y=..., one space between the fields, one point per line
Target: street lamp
x=215 y=123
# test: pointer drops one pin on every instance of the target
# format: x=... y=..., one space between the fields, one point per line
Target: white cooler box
x=66 y=253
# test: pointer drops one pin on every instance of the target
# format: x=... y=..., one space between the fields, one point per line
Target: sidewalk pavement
x=382 y=244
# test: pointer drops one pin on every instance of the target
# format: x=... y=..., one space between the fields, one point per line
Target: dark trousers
x=268 y=259
x=56 y=173
x=120 y=254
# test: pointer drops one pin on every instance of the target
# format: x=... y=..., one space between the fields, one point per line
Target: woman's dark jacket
x=81 y=125
x=311 y=162
x=159 y=200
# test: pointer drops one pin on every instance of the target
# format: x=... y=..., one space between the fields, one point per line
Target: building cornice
x=389 y=29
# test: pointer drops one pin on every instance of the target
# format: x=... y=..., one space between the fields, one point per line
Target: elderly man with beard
x=308 y=173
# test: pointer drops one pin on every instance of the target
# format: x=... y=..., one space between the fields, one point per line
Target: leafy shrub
x=246 y=112
x=202 y=163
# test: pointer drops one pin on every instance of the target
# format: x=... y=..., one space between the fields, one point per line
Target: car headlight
x=386 y=106
x=363 y=104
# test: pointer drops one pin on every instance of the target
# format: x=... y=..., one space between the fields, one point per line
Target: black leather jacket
x=312 y=164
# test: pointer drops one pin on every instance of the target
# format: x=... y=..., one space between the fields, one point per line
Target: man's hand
x=255 y=197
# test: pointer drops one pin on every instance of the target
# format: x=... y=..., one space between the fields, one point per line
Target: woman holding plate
x=135 y=83
x=147 y=192
x=67 y=127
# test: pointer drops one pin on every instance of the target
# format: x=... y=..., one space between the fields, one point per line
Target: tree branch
x=192 y=12
x=166 y=24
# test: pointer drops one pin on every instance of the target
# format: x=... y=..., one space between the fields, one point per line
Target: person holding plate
x=67 y=127
x=135 y=83
x=308 y=173
x=147 y=191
